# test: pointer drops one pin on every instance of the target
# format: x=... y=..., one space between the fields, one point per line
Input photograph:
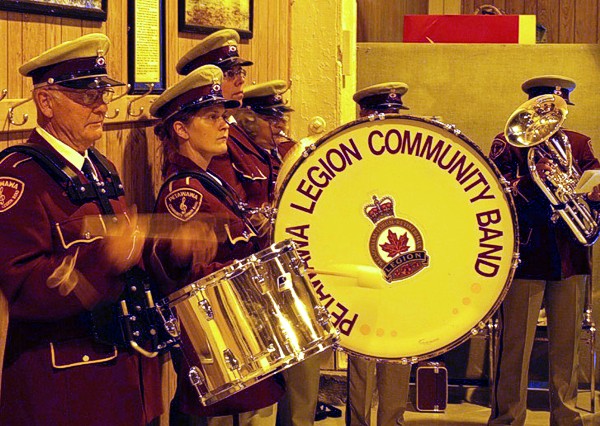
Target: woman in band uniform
x=193 y=130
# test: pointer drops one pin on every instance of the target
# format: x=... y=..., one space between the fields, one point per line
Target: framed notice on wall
x=93 y=10
x=207 y=16
x=146 y=45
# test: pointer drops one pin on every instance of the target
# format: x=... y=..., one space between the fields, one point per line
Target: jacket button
x=87 y=235
x=85 y=358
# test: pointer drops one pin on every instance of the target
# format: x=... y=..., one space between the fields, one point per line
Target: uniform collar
x=180 y=162
x=69 y=154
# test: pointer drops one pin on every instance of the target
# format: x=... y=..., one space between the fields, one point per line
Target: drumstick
x=366 y=276
x=155 y=226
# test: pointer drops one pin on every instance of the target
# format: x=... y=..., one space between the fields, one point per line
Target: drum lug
x=198 y=381
x=205 y=306
x=284 y=282
x=322 y=315
x=170 y=321
x=452 y=128
x=480 y=328
x=373 y=117
x=309 y=149
x=231 y=360
x=505 y=185
x=297 y=265
x=172 y=326
x=257 y=276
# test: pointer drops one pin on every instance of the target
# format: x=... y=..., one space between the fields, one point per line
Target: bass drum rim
x=303 y=154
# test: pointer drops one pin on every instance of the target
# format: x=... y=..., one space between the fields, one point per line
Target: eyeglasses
x=88 y=97
x=233 y=73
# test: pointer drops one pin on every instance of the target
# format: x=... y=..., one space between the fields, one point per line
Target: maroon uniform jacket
x=246 y=168
x=236 y=241
x=278 y=156
x=52 y=273
x=548 y=250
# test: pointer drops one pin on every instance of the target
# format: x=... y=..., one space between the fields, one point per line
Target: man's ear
x=45 y=102
x=181 y=130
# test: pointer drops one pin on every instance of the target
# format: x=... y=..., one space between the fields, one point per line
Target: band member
x=193 y=130
x=365 y=376
x=245 y=166
x=553 y=270
x=264 y=117
x=56 y=268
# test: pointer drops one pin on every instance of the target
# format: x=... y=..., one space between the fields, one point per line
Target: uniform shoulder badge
x=183 y=203
x=590 y=146
x=11 y=191
x=396 y=245
x=497 y=148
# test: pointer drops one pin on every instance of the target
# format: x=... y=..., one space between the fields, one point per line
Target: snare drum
x=248 y=321
x=410 y=232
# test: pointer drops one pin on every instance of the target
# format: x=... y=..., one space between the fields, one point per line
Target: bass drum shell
x=409 y=229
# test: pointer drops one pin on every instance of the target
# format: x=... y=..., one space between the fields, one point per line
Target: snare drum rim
x=507 y=197
x=192 y=288
x=237 y=265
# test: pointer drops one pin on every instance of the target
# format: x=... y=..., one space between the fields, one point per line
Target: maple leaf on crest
x=395 y=245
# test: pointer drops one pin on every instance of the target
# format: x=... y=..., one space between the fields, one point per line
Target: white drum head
x=411 y=234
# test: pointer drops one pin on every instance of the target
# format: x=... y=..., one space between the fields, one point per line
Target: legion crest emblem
x=396 y=245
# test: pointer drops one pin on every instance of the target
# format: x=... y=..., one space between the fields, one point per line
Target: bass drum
x=409 y=232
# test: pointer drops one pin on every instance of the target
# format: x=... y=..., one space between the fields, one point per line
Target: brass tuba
x=536 y=124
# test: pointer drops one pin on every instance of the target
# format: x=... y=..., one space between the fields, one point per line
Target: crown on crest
x=380 y=208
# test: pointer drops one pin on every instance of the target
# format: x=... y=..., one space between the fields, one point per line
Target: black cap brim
x=227 y=103
x=96 y=82
x=384 y=107
x=234 y=61
x=273 y=111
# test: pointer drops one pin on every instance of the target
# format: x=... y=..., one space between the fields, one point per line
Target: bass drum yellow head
x=411 y=234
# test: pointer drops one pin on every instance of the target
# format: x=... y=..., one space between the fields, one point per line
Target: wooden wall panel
x=586 y=24
x=26 y=35
x=514 y=7
x=383 y=20
x=566 y=21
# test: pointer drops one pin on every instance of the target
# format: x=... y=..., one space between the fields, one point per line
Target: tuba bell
x=536 y=124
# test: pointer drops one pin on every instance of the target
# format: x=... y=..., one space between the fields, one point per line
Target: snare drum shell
x=263 y=311
x=263 y=394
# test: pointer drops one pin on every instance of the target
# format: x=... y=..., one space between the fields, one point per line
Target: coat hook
x=4 y=93
x=129 y=107
x=11 y=113
x=117 y=110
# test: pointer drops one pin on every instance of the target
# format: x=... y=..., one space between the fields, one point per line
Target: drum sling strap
x=132 y=319
x=78 y=192
x=220 y=189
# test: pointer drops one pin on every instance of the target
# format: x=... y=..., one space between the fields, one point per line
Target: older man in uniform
x=365 y=376
x=264 y=117
x=56 y=268
x=246 y=167
x=553 y=269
